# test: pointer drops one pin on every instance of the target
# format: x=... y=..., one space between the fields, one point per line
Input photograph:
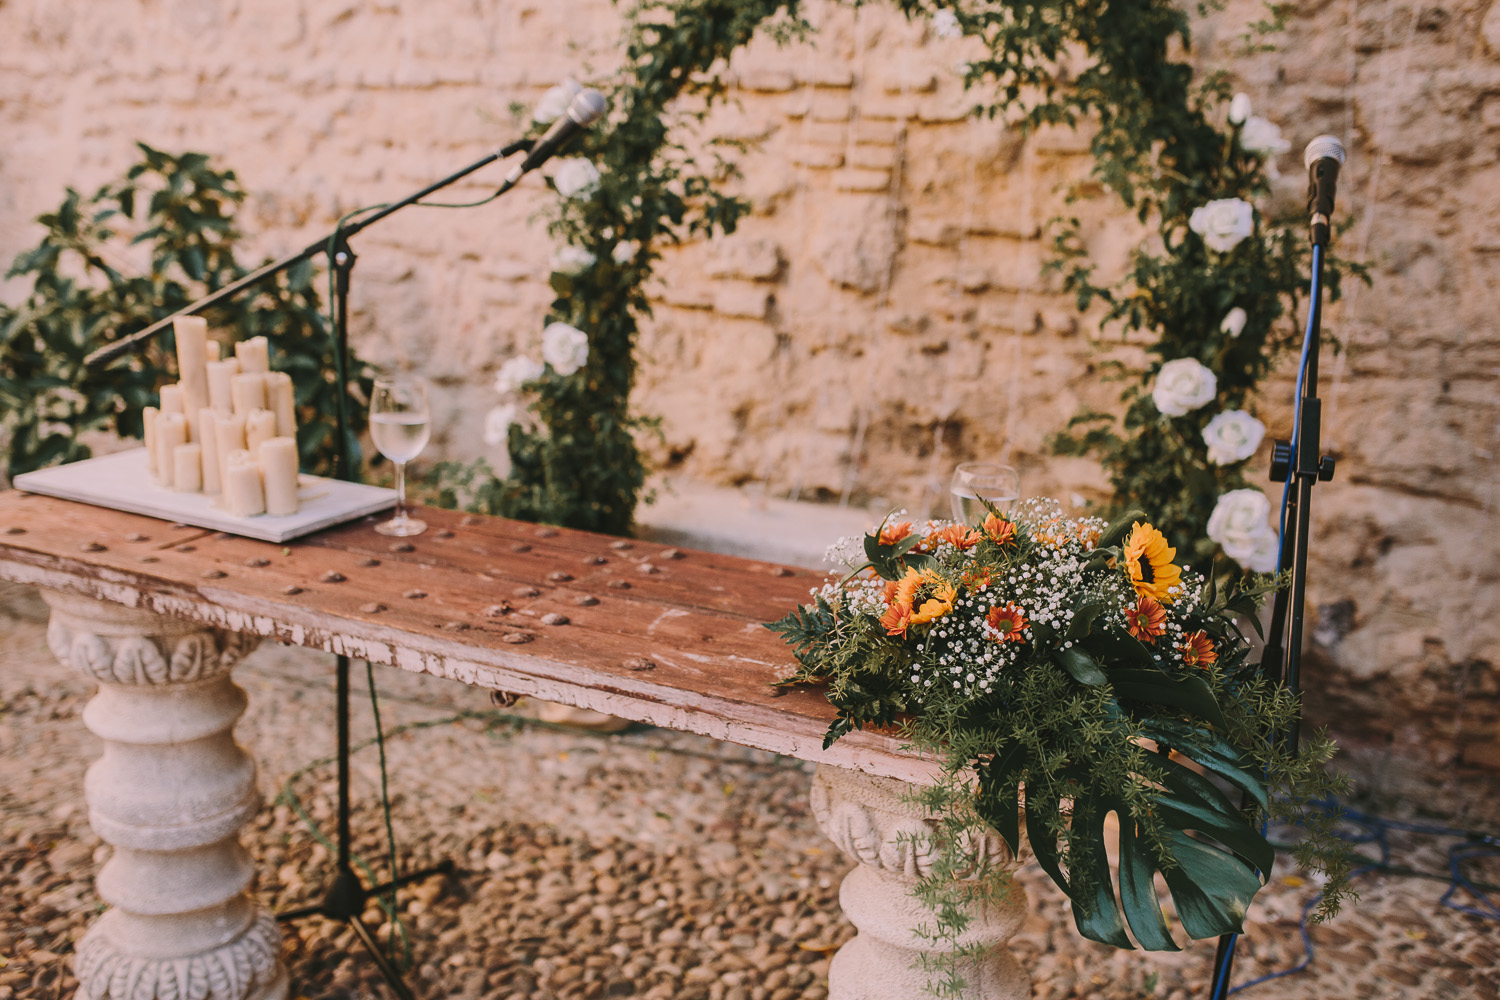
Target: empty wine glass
x=976 y=481
x=399 y=426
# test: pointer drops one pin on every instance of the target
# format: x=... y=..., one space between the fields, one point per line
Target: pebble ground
x=648 y=864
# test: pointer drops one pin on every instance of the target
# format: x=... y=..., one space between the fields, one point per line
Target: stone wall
x=882 y=315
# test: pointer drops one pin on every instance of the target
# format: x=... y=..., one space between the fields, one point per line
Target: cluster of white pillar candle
x=228 y=428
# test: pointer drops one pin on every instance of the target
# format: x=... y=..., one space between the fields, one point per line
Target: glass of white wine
x=400 y=426
x=999 y=484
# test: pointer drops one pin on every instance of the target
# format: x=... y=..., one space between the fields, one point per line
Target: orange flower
x=1147 y=620
x=959 y=537
x=921 y=596
x=893 y=533
x=1148 y=563
x=1089 y=535
x=999 y=530
x=1198 y=650
x=896 y=619
x=888 y=592
x=1008 y=621
x=975 y=579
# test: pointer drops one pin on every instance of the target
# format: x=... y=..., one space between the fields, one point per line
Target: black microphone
x=588 y=107
x=1323 y=157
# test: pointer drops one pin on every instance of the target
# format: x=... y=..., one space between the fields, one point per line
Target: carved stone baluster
x=890 y=840
x=170 y=795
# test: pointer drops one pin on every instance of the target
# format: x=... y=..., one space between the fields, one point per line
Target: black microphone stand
x=347 y=896
x=1299 y=464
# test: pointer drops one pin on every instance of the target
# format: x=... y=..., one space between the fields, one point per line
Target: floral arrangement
x=1068 y=669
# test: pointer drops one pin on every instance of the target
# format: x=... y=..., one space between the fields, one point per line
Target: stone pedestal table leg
x=890 y=840
x=170 y=795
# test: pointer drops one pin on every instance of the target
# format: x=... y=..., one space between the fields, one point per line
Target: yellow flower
x=924 y=595
x=1148 y=563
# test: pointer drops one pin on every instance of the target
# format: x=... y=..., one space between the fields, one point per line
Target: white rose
x=625 y=251
x=1259 y=553
x=565 y=348
x=1182 y=386
x=571 y=260
x=497 y=424
x=1262 y=137
x=1239 y=109
x=517 y=372
x=1223 y=223
x=1232 y=436
x=1234 y=322
x=575 y=177
x=945 y=24
x=554 y=103
x=1237 y=521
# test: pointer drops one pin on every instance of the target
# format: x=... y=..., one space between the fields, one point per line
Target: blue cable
x=1376 y=830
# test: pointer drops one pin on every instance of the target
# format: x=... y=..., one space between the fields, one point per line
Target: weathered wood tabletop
x=671 y=637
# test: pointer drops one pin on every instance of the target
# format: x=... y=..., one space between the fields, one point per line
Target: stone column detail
x=890 y=840
x=169 y=795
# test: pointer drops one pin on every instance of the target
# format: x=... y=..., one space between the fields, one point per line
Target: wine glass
x=973 y=481
x=399 y=426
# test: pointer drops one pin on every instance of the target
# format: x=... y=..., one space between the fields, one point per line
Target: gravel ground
x=648 y=864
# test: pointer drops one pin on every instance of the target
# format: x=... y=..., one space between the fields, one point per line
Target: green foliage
x=139 y=249
x=579 y=465
x=1163 y=144
x=1083 y=714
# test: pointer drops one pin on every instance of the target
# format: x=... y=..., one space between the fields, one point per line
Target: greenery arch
x=1217 y=297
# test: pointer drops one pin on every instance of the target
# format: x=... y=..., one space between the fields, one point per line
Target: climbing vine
x=633 y=186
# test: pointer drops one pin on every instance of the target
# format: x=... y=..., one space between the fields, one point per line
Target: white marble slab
x=119 y=481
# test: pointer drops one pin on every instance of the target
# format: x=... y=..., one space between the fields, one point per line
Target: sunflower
x=1146 y=620
x=1008 y=621
x=998 y=530
x=1198 y=650
x=1148 y=563
x=924 y=594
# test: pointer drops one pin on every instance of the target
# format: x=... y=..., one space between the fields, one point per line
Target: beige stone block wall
x=882 y=314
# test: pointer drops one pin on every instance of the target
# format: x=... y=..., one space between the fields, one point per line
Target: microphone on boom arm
x=1323 y=157
x=588 y=107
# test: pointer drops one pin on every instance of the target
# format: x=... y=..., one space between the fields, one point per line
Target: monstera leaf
x=1212 y=859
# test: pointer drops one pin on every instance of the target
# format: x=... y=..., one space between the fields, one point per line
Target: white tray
x=120 y=482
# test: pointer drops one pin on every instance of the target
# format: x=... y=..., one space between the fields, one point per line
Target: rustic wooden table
x=160 y=613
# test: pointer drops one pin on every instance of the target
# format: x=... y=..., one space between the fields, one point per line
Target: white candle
x=187 y=468
x=230 y=431
x=171 y=398
x=254 y=355
x=171 y=431
x=248 y=391
x=242 y=486
x=148 y=421
x=281 y=400
x=278 y=469
x=213 y=476
x=220 y=384
x=260 y=426
x=213 y=351
x=191 y=333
